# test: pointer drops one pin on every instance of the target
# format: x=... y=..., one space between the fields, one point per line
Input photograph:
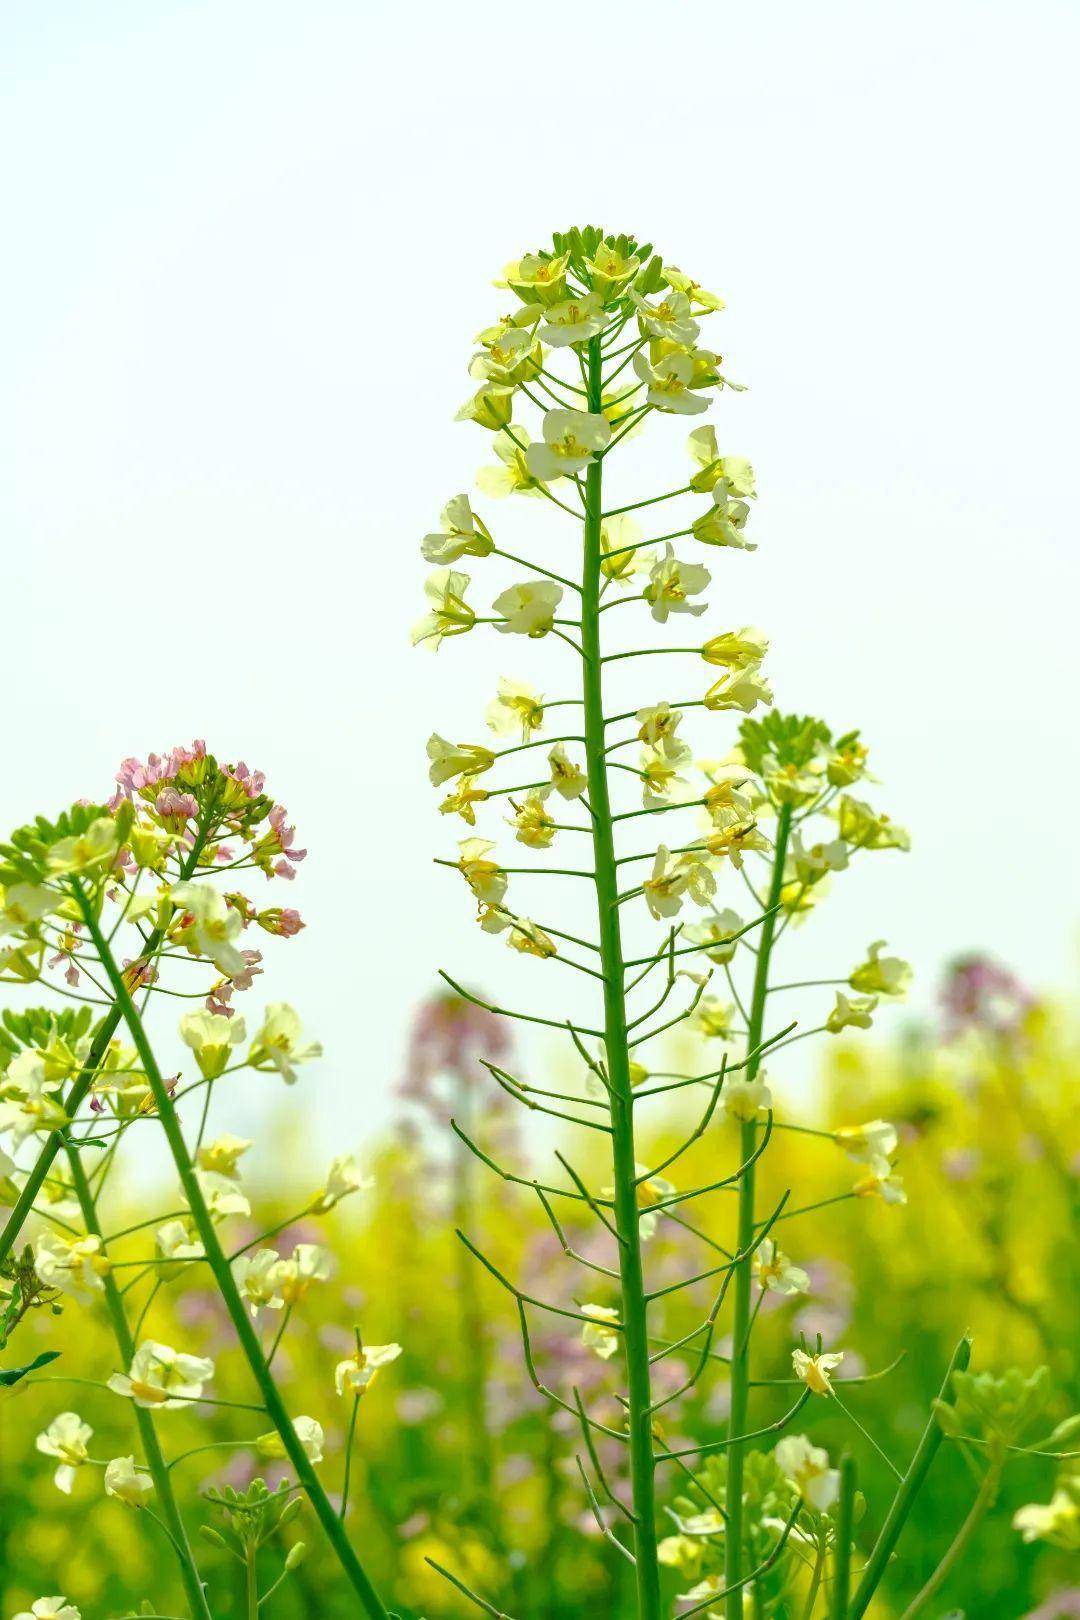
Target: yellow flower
x=50 y=1608
x=449 y=614
x=516 y=707
x=510 y=355
x=173 y=1241
x=617 y=534
x=671 y=582
x=775 y=1273
x=308 y=1263
x=222 y=1154
x=126 y=1482
x=535 y=279
x=75 y=1266
x=864 y=829
x=98 y=844
x=670 y=383
x=513 y=477
x=739 y=689
x=869 y=1143
x=462 y=534
x=214 y=925
x=221 y=1195
x=529 y=609
x=571 y=440
x=271 y=1447
x=715 y=934
x=807 y=1467
x=724 y=524
x=666 y=885
x=534 y=823
x=162 y=1376
x=258 y=1280
x=670 y=319
x=490 y=407
x=882 y=1182
x=733 y=833
x=528 y=938
x=1056 y=1521
x=658 y=724
x=850 y=1014
x=609 y=271
x=746 y=1100
x=693 y=289
x=456 y=759
x=356 y=1374
x=277 y=1044
x=735 y=471
x=568 y=779
x=66 y=1439
x=573 y=320
x=847 y=764
x=881 y=975
x=597 y=1335
x=661 y=781
x=342 y=1179
x=485 y=878
x=211 y=1037
x=23 y=904
x=715 y=1018
x=462 y=799
x=737 y=649
x=814 y=1371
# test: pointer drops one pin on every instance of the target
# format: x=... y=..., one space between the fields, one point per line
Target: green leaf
x=12 y=1375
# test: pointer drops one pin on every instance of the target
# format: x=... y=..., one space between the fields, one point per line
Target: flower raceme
x=159 y=869
x=599 y=336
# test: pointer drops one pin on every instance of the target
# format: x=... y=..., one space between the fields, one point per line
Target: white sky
x=247 y=247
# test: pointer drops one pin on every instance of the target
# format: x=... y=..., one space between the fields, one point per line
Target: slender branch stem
x=740 y=1365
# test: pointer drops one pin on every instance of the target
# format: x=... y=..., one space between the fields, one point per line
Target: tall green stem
x=633 y=1302
x=908 y=1489
x=226 y=1283
x=740 y=1353
x=85 y=1079
x=151 y=1445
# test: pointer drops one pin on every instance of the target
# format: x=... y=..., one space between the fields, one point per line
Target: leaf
x=12 y=1375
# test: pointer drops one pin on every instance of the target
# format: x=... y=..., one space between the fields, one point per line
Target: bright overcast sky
x=247 y=249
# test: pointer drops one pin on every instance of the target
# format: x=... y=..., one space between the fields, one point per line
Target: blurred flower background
x=457 y=1457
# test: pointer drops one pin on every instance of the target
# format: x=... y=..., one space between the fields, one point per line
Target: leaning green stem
x=740 y=1363
x=984 y=1501
x=907 y=1491
x=226 y=1283
x=621 y=1097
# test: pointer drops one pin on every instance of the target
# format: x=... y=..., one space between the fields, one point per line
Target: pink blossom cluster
x=980 y=994
x=283 y=837
x=134 y=775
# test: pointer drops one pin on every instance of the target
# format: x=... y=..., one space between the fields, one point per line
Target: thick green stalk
x=144 y=1420
x=226 y=1283
x=740 y=1352
x=908 y=1489
x=633 y=1303
x=81 y=1085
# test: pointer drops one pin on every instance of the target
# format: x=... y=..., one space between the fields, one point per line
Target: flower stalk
x=223 y=1275
x=633 y=1308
